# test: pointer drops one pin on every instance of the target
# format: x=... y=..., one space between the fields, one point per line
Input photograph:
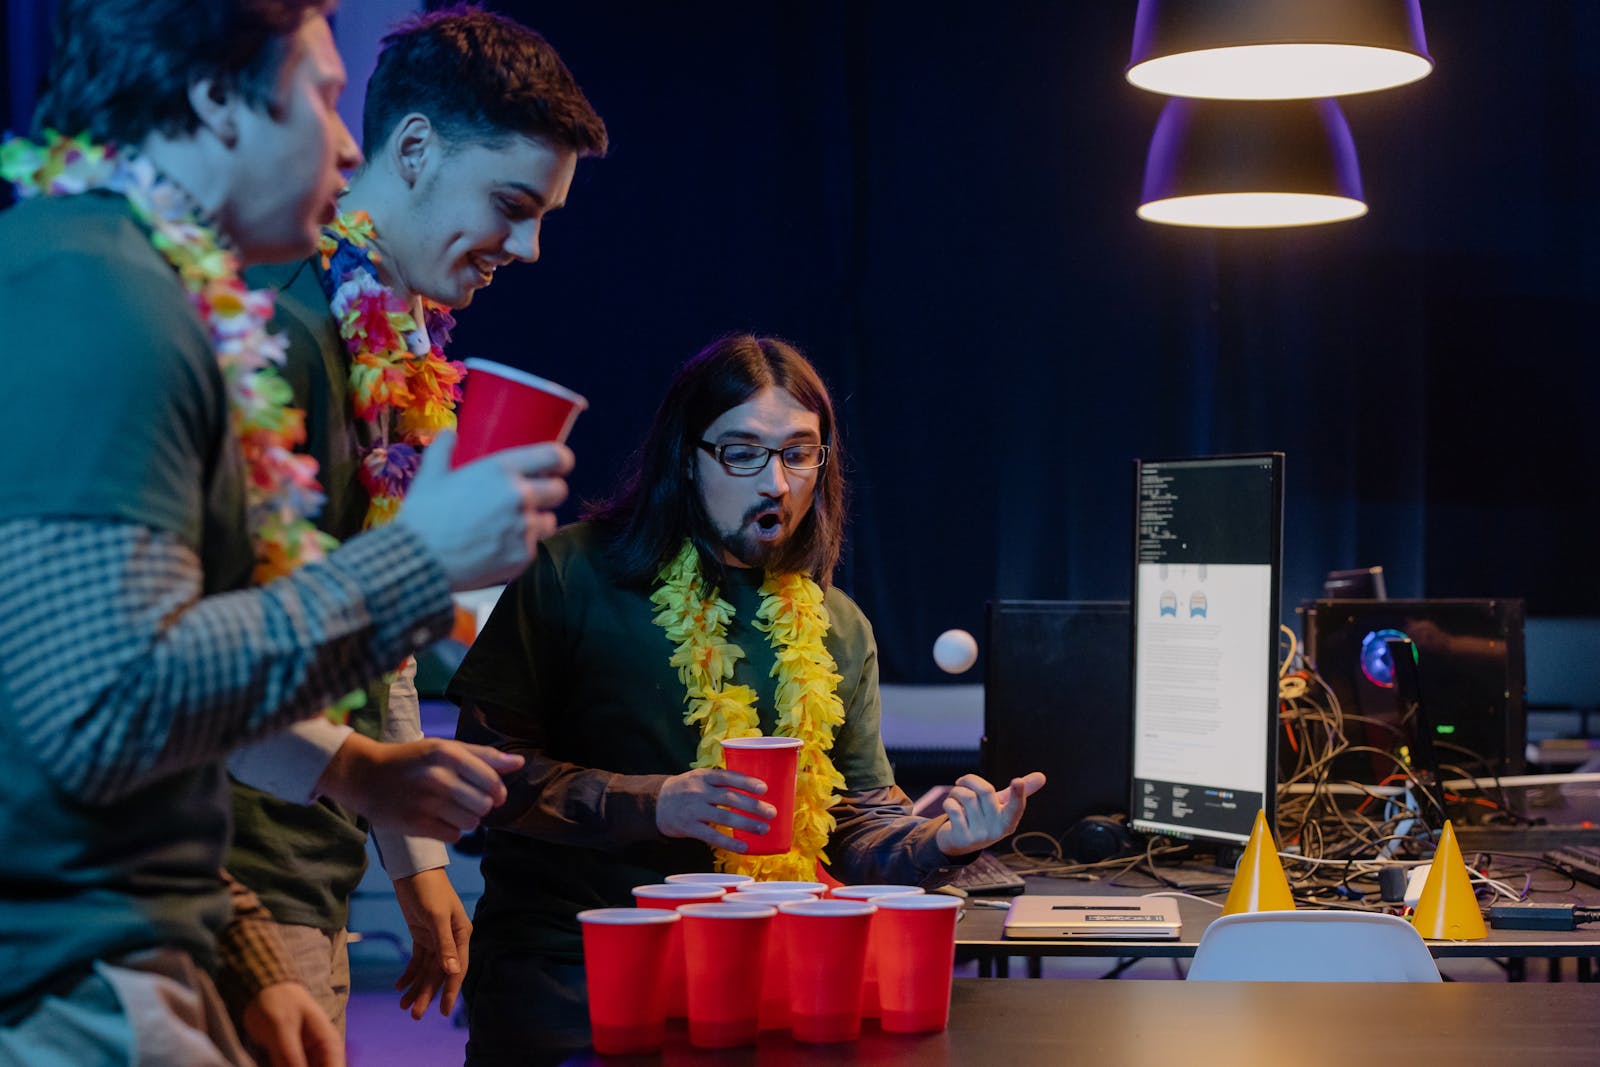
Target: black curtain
x=935 y=200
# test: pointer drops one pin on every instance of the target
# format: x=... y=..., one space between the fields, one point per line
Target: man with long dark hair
x=165 y=598
x=473 y=127
x=694 y=607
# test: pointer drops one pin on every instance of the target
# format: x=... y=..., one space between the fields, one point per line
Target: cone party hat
x=1448 y=909
x=1259 y=883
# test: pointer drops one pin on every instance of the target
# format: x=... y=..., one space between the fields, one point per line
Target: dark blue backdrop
x=935 y=200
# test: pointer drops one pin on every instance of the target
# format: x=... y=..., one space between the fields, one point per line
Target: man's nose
x=523 y=244
x=347 y=153
x=774 y=477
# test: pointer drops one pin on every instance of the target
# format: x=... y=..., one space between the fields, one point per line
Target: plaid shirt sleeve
x=250 y=951
x=116 y=669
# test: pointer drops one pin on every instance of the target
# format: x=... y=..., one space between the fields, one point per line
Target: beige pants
x=149 y=1009
x=322 y=963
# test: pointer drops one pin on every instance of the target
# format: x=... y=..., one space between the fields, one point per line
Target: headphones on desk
x=1096 y=838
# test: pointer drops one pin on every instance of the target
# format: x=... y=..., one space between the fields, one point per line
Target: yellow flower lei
x=808 y=704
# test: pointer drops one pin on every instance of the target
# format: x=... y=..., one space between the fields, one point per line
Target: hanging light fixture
x=1238 y=165
x=1276 y=49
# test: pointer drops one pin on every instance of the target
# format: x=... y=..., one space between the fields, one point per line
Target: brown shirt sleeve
x=562 y=802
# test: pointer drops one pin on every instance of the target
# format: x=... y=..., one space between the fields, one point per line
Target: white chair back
x=1312 y=946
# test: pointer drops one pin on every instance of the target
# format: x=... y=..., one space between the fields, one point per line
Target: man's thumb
x=436 y=457
x=501 y=762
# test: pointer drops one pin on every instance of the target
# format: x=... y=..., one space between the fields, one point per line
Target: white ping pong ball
x=955 y=651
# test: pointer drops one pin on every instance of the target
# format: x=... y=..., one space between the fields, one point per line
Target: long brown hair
x=658 y=505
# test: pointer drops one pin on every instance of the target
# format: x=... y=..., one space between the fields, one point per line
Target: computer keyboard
x=987 y=874
x=1580 y=861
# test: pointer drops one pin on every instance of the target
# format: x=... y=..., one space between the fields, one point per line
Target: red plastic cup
x=775 y=979
x=669 y=896
x=869 y=974
x=917 y=948
x=725 y=946
x=726 y=881
x=816 y=889
x=776 y=761
x=503 y=407
x=622 y=950
x=767 y=896
x=827 y=945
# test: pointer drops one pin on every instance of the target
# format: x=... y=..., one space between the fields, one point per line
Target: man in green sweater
x=473 y=127
x=161 y=604
x=696 y=605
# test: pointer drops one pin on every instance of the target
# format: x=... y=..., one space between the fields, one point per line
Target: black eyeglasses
x=744 y=458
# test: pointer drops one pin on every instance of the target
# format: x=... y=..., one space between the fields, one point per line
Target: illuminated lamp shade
x=1241 y=165
x=1276 y=49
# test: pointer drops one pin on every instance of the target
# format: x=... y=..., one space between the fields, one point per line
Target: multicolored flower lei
x=401 y=384
x=282 y=493
x=808 y=705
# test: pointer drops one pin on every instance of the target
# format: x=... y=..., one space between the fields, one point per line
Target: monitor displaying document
x=1208 y=551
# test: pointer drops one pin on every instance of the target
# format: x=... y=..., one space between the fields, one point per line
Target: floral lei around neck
x=401 y=385
x=282 y=493
x=808 y=706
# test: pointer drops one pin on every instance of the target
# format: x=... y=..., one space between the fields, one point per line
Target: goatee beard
x=745 y=547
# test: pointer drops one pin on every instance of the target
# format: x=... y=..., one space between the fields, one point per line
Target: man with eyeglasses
x=693 y=606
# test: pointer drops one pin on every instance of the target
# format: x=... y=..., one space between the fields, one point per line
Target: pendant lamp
x=1276 y=49
x=1245 y=164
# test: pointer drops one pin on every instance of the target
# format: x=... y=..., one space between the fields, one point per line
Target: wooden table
x=1053 y=1023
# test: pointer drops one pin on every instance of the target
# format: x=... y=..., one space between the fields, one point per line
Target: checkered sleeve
x=251 y=954
x=116 y=669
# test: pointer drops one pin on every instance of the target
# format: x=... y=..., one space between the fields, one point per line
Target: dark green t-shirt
x=580 y=662
x=304 y=860
x=121 y=417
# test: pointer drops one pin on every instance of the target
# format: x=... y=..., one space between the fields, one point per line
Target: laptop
x=1099 y=918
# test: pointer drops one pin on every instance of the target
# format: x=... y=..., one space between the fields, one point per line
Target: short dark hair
x=122 y=69
x=658 y=505
x=480 y=78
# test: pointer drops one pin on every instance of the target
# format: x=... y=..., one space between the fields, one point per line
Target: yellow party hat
x=1448 y=910
x=1259 y=883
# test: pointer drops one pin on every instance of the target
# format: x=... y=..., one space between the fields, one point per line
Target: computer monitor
x=1207 y=556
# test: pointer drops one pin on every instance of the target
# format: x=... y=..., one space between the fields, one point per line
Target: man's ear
x=217 y=109
x=413 y=147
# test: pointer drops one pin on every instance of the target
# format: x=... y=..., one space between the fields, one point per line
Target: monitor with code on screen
x=1207 y=557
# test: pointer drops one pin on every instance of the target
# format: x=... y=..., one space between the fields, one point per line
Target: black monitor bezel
x=1269 y=792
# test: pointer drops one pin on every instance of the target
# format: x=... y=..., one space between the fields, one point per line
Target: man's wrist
x=345 y=776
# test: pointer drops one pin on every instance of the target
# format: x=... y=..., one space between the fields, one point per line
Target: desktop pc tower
x=1469 y=676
